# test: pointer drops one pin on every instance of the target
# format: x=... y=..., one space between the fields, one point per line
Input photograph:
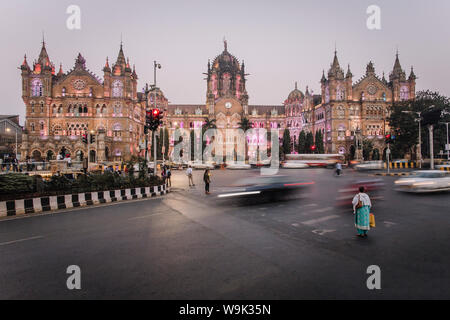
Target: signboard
x=388 y=151
x=447 y=147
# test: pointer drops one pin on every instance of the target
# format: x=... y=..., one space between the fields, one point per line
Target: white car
x=370 y=165
x=424 y=181
x=238 y=166
x=201 y=165
x=294 y=164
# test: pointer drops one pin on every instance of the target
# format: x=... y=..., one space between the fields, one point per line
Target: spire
x=134 y=74
x=106 y=68
x=397 y=71
x=335 y=70
x=43 y=55
x=60 y=72
x=296 y=85
x=225 y=45
x=384 y=78
x=121 y=57
x=323 y=77
x=307 y=90
x=24 y=65
x=80 y=62
x=349 y=73
x=370 y=69
x=412 y=75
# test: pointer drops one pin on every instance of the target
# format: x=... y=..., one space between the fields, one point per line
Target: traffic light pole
x=388 y=156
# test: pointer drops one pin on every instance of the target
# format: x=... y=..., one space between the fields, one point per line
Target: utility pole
x=155 y=65
x=146 y=130
x=430 y=129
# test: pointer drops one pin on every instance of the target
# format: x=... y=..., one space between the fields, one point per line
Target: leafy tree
x=367 y=149
x=319 y=142
x=309 y=142
x=405 y=128
x=286 y=147
x=301 y=146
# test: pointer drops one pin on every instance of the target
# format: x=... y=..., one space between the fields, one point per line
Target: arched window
x=340 y=112
x=69 y=109
x=32 y=107
x=404 y=93
x=117 y=108
x=80 y=109
x=64 y=91
x=41 y=126
x=85 y=109
x=117 y=89
x=104 y=110
x=42 y=107
x=384 y=96
x=117 y=130
x=97 y=109
x=54 y=109
x=340 y=94
x=36 y=88
x=32 y=127
x=91 y=92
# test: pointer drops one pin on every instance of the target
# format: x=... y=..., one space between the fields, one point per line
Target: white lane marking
x=389 y=224
x=20 y=240
x=309 y=205
x=322 y=210
x=147 y=216
x=314 y=221
x=322 y=232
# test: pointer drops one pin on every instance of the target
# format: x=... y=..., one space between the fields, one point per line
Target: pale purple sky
x=280 y=41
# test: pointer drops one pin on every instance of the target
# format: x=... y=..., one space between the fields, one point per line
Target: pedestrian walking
x=207 y=180
x=338 y=168
x=190 y=178
x=361 y=210
x=169 y=174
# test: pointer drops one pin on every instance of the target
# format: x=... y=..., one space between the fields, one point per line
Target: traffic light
x=389 y=138
x=84 y=138
x=153 y=119
x=313 y=148
x=92 y=138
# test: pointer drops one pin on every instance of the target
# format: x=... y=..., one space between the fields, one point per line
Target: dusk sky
x=280 y=41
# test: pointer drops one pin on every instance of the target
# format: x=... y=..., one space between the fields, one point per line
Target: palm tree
x=245 y=125
x=210 y=124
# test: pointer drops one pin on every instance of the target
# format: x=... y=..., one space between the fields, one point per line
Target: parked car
x=424 y=181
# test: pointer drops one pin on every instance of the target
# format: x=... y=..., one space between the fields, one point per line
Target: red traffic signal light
x=155 y=113
x=313 y=147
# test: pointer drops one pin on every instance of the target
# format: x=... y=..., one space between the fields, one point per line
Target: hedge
x=19 y=186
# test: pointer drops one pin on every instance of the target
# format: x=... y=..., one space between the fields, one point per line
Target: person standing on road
x=207 y=180
x=189 y=174
x=361 y=210
x=338 y=168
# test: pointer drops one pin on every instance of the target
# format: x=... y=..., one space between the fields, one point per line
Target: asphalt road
x=187 y=245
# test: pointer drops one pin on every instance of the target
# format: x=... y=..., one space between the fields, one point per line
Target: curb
x=393 y=174
x=50 y=203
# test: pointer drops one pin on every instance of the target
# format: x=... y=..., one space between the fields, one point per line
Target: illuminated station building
x=61 y=107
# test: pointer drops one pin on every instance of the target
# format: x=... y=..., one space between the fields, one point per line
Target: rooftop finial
x=225 y=43
x=295 y=85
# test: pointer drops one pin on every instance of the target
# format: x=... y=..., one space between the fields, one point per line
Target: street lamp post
x=419 y=119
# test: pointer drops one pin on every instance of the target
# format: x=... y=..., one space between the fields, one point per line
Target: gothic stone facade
x=61 y=107
x=347 y=109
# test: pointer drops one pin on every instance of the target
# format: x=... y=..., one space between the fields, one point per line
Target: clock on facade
x=372 y=89
x=228 y=105
x=79 y=84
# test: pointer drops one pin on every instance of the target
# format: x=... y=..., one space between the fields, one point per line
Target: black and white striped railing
x=41 y=204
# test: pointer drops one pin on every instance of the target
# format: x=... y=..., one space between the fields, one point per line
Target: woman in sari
x=361 y=209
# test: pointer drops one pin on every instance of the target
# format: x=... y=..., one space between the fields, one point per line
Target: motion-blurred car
x=238 y=166
x=370 y=165
x=373 y=187
x=273 y=187
x=294 y=164
x=424 y=181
